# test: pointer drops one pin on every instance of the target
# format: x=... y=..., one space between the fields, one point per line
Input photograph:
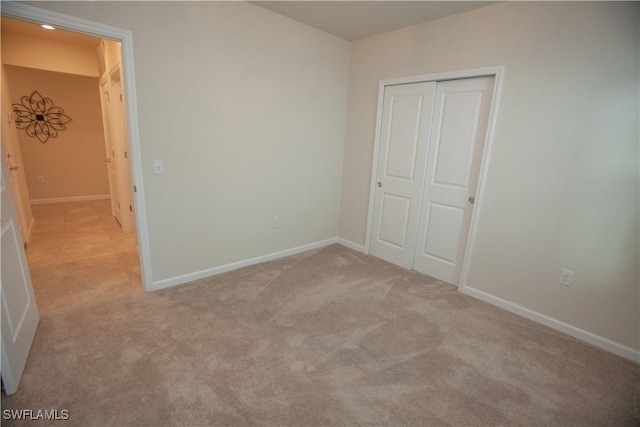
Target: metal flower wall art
x=39 y=117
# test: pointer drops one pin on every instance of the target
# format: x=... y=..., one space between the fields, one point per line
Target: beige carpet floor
x=327 y=337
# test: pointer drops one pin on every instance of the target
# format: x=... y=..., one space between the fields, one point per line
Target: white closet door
x=455 y=154
x=404 y=131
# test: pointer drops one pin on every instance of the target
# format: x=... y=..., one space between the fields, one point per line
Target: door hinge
x=135 y=189
x=120 y=97
x=125 y=155
x=130 y=208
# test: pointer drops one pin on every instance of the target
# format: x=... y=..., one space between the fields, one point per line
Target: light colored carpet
x=327 y=337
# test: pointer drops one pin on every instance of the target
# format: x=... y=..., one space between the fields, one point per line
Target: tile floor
x=77 y=252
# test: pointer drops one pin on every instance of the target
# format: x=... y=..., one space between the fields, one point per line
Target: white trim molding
x=581 y=334
x=351 y=245
x=70 y=199
x=197 y=275
x=125 y=37
x=208 y=272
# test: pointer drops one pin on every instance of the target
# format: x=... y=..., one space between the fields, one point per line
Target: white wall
x=43 y=54
x=562 y=189
x=247 y=108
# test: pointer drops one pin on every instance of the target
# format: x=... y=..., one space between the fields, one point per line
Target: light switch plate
x=158 y=167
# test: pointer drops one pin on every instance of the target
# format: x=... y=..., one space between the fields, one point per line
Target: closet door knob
x=379 y=183
x=472 y=200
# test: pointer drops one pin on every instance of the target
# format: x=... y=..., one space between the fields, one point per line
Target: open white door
x=18 y=307
x=117 y=146
x=404 y=133
x=120 y=141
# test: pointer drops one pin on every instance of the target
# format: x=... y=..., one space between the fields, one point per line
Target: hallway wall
x=72 y=164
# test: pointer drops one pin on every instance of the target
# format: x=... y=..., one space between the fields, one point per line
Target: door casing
x=125 y=37
x=498 y=73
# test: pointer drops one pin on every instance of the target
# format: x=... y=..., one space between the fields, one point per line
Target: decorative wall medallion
x=39 y=117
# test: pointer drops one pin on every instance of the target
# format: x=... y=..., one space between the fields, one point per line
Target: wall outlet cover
x=565 y=277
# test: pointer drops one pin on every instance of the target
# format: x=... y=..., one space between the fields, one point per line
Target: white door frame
x=125 y=37
x=498 y=73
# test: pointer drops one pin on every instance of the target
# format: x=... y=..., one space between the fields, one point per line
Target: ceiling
x=349 y=20
x=354 y=20
x=35 y=30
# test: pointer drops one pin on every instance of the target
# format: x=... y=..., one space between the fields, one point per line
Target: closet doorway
x=432 y=150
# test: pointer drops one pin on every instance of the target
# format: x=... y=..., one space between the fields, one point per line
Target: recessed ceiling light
x=48 y=27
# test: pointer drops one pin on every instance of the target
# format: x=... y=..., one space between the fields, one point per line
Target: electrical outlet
x=40 y=179
x=276 y=222
x=565 y=277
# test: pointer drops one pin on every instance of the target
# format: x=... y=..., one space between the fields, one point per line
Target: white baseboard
x=70 y=199
x=30 y=232
x=581 y=334
x=349 y=244
x=197 y=275
x=596 y=340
